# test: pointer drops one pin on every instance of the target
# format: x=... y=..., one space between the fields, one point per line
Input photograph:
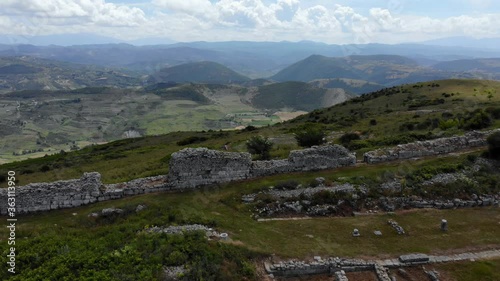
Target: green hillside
x=74 y=244
x=35 y=123
x=386 y=70
x=388 y=117
x=354 y=86
x=198 y=72
x=375 y=68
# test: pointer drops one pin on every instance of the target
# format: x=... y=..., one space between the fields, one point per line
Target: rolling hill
x=297 y=96
x=386 y=70
x=354 y=86
x=387 y=117
x=253 y=59
x=198 y=72
x=486 y=67
x=37 y=122
x=381 y=69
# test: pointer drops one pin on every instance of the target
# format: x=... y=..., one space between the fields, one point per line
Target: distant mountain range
x=353 y=74
x=252 y=59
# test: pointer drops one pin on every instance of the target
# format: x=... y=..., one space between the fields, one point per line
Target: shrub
x=478 y=119
x=249 y=128
x=494 y=145
x=259 y=146
x=310 y=137
x=346 y=139
x=286 y=185
x=191 y=140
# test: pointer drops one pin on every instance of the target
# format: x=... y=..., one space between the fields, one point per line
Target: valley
x=251 y=161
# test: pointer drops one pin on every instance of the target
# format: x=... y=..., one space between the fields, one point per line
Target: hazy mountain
x=30 y=73
x=253 y=59
x=198 y=72
x=467 y=42
x=487 y=66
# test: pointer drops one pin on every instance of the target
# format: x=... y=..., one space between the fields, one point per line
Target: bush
x=310 y=137
x=260 y=146
x=494 y=145
x=286 y=185
x=191 y=140
x=478 y=119
x=346 y=139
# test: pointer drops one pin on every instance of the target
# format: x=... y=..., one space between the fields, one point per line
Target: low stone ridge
x=428 y=148
x=181 y=229
x=380 y=267
x=413 y=258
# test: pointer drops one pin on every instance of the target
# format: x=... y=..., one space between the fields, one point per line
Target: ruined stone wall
x=77 y=192
x=428 y=148
x=321 y=158
x=270 y=167
x=310 y=159
x=189 y=168
x=192 y=167
x=55 y=195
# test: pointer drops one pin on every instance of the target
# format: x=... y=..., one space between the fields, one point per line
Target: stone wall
x=192 y=167
x=189 y=168
x=428 y=148
x=55 y=195
x=77 y=192
x=314 y=158
x=321 y=158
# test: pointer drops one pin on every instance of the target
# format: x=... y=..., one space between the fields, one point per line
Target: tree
x=310 y=137
x=260 y=146
x=494 y=145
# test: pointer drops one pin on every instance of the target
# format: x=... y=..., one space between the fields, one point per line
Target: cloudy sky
x=329 y=21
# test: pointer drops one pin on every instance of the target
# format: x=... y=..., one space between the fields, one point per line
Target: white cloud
x=96 y=12
x=222 y=20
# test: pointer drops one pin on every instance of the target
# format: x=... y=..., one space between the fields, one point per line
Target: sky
x=328 y=21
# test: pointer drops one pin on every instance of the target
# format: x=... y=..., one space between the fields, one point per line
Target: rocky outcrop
x=428 y=148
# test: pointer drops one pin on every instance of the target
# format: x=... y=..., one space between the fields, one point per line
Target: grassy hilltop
x=70 y=245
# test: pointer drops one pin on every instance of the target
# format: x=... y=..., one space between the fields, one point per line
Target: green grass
x=59 y=240
x=331 y=236
x=487 y=270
